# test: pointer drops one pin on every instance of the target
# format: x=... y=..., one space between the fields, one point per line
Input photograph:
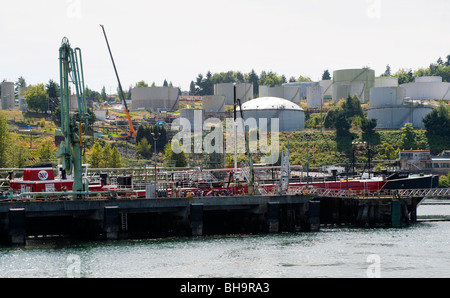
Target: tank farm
x=42 y=205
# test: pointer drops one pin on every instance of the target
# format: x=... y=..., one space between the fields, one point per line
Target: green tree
x=165 y=84
x=304 y=79
x=409 y=137
x=192 y=88
x=106 y=160
x=180 y=159
x=103 y=95
x=326 y=75
x=116 y=159
x=46 y=152
x=437 y=125
x=95 y=155
x=52 y=89
x=20 y=83
x=387 y=151
x=387 y=72
x=404 y=76
x=4 y=142
x=144 y=148
x=36 y=98
x=141 y=84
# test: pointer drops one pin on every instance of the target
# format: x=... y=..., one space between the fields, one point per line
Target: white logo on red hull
x=43 y=175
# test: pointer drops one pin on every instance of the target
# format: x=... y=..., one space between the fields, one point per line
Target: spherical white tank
x=290 y=116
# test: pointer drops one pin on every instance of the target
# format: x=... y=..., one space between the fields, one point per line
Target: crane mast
x=71 y=71
x=132 y=132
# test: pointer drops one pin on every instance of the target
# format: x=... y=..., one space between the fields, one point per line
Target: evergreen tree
x=95 y=155
x=326 y=75
x=409 y=137
x=116 y=160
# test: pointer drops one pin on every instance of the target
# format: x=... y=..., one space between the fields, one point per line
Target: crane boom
x=127 y=112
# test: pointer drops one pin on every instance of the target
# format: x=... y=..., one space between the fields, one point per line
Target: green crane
x=71 y=71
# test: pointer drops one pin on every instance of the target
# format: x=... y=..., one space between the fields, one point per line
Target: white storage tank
x=396 y=117
x=365 y=77
x=342 y=90
x=386 y=96
x=213 y=104
x=155 y=98
x=267 y=91
x=195 y=118
x=292 y=93
x=7 y=98
x=315 y=96
x=291 y=116
x=226 y=90
x=386 y=82
x=428 y=88
x=244 y=92
x=327 y=87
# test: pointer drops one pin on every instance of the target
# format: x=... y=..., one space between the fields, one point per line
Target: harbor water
x=420 y=250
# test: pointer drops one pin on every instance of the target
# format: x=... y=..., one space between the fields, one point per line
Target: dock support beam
x=196 y=219
x=396 y=214
x=111 y=222
x=273 y=217
x=17 y=226
x=314 y=216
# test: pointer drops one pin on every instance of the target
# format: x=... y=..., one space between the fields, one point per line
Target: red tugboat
x=41 y=179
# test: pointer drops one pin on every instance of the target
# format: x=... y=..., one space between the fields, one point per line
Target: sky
x=178 y=39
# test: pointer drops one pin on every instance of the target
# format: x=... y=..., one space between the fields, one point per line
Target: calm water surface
x=421 y=250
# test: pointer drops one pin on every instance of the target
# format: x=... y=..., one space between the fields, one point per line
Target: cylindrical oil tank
x=314 y=97
x=195 y=120
x=364 y=76
x=244 y=91
x=342 y=90
x=213 y=104
x=291 y=117
x=396 y=117
x=428 y=79
x=386 y=82
x=423 y=89
x=226 y=90
x=386 y=96
x=266 y=91
x=8 y=98
x=292 y=93
x=22 y=101
x=327 y=87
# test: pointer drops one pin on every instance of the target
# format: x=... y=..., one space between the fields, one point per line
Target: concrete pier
x=146 y=218
x=114 y=219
